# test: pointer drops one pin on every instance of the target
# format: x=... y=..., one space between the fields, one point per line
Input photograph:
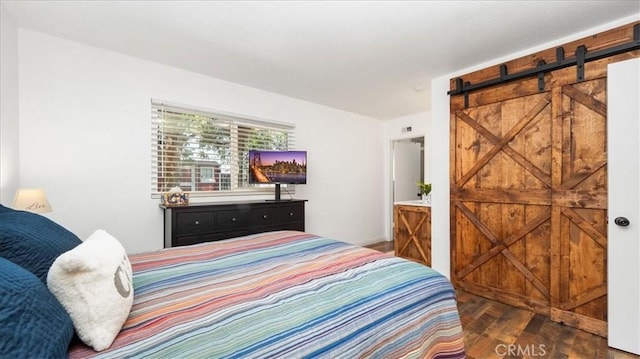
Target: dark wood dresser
x=205 y=222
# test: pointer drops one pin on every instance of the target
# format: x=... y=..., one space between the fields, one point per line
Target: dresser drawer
x=292 y=213
x=232 y=219
x=264 y=216
x=193 y=223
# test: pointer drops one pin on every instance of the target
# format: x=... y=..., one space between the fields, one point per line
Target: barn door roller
x=582 y=56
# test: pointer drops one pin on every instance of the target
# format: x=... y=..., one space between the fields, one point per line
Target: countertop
x=416 y=202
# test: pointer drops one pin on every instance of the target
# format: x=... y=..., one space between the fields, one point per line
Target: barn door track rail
x=581 y=57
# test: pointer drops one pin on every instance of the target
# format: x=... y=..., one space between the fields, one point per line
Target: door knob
x=621 y=221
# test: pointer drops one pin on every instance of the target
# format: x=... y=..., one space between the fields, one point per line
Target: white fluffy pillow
x=93 y=283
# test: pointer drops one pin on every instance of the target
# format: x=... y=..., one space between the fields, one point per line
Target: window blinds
x=207 y=151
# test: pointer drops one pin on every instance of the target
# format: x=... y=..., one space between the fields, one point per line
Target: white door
x=623 y=86
x=407 y=159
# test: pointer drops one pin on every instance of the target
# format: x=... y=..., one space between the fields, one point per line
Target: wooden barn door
x=529 y=194
x=501 y=200
x=578 y=243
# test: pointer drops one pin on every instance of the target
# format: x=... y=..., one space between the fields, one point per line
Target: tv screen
x=278 y=167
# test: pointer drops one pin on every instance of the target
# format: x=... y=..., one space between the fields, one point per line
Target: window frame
x=237 y=124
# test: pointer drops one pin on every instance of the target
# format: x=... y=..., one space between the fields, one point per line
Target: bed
x=282 y=294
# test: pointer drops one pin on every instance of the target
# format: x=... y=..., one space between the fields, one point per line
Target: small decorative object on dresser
x=175 y=197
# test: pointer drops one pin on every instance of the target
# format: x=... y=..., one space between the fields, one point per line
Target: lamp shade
x=32 y=200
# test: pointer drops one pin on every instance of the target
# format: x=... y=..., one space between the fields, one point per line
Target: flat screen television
x=277 y=167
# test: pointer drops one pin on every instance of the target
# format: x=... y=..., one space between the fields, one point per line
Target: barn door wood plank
x=478 y=224
x=585 y=99
x=584 y=298
x=497 y=243
x=515 y=155
x=580 y=176
x=526 y=272
x=585 y=226
x=540 y=197
x=499 y=143
x=555 y=245
x=582 y=198
x=530 y=226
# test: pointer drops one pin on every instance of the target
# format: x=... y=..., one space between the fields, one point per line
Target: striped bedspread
x=285 y=295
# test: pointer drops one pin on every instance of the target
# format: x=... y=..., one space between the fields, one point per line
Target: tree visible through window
x=207 y=151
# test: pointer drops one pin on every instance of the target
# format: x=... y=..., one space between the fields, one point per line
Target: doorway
x=407 y=168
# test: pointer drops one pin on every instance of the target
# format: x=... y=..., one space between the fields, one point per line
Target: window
x=207 y=151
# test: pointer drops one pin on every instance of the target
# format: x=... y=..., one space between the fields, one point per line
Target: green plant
x=425 y=188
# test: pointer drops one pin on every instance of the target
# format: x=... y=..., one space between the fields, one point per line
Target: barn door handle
x=621 y=221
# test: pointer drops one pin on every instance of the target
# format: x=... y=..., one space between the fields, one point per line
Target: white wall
x=9 y=161
x=440 y=229
x=84 y=137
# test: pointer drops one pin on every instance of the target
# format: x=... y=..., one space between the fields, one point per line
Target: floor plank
x=384 y=246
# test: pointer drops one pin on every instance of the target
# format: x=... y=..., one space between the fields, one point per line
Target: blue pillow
x=33 y=241
x=33 y=324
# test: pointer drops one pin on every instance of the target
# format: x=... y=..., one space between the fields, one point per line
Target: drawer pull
x=290 y=214
x=196 y=222
x=233 y=219
x=264 y=216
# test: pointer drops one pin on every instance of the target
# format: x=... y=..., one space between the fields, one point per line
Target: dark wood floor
x=496 y=330
x=384 y=246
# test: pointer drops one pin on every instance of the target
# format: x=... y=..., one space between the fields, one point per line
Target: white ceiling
x=375 y=58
